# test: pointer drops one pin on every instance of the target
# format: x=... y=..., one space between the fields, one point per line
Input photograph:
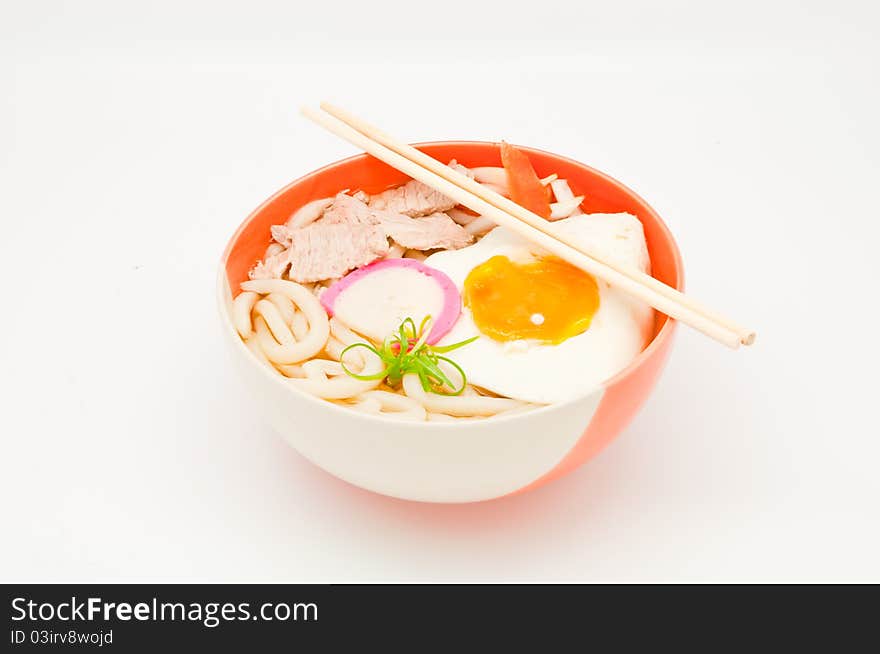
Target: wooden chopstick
x=532 y=227
x=747 y=336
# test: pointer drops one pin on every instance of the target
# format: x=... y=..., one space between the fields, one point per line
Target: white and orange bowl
x=465 y=460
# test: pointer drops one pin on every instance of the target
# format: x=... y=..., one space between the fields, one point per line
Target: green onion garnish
x=407 y=352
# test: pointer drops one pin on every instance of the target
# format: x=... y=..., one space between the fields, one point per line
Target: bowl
x=450 y=462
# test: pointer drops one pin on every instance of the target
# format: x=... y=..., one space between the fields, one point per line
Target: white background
x=135 y=137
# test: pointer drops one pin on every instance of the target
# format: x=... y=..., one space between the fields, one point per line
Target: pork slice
x=324 y=251
x=348 y=210
x=426 y=233
x=283 y=234
x=412 y=199
x=273 y=267
x=342 y=209
x=416 y=199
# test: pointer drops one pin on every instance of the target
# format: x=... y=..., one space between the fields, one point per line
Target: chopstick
x=747 y=336
x=504 y=212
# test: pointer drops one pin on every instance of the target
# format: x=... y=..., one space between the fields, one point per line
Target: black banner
x=138 y=618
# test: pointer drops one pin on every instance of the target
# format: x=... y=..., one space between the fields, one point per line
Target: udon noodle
x=285 y=326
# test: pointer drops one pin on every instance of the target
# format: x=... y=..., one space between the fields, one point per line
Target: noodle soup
x=403 y=304
x=356 y=290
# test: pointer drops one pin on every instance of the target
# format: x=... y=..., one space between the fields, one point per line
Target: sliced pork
x=426 y=233
x=412 y=199
x=344 y=209
x=350 y=234
x=349 y=210
x=283 y=234
x=324 y=251
x=415 y=199
x=436 y=230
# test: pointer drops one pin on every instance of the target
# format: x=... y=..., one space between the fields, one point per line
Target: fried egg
x=547 y=330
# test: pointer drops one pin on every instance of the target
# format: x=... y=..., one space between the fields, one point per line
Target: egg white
x=545 y=373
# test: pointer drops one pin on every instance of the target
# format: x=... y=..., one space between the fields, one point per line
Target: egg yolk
x=546 y=299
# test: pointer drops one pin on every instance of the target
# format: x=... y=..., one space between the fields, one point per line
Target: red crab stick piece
x=375 y=299
x=523 y=183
